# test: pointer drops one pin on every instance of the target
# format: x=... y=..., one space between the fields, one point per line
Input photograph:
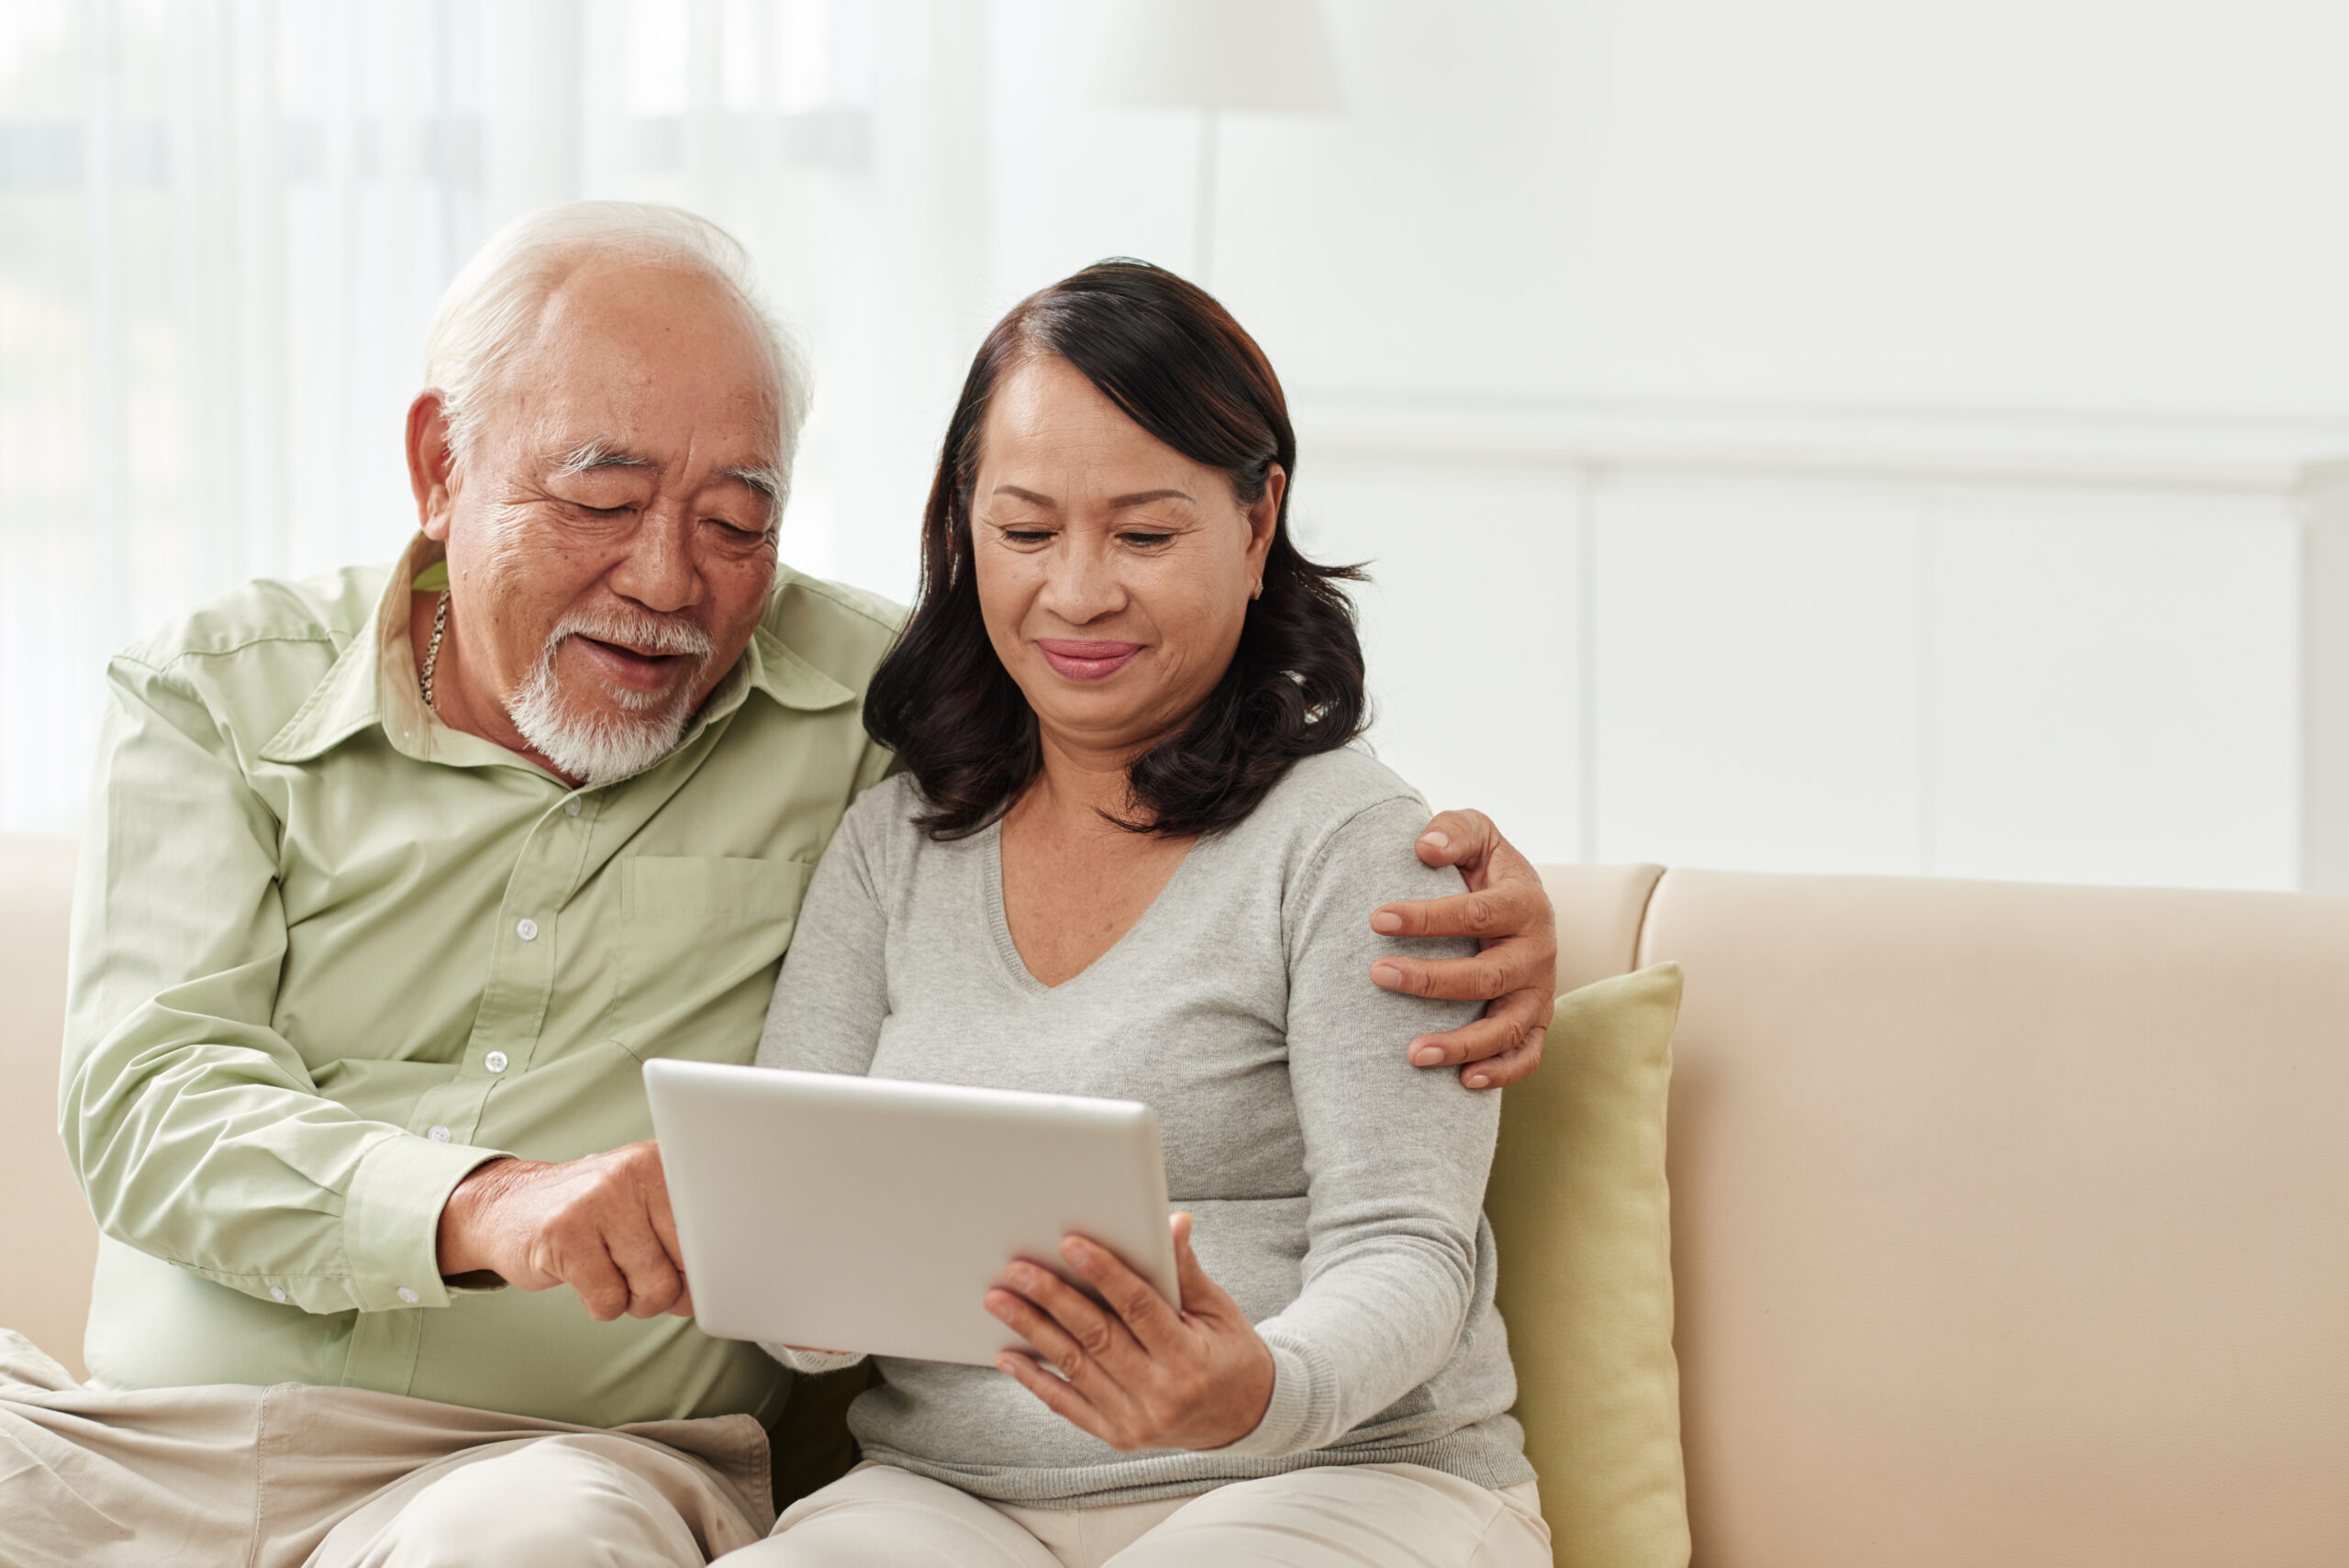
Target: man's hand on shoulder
x=1515 y=971
x=600 y=1225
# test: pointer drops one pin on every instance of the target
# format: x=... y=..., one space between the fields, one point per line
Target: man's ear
x=431 y=463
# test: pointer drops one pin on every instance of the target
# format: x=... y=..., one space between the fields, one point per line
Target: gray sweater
x=1337 y=1191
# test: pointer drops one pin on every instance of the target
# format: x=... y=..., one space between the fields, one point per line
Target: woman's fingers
x=1050 y=1340
x=1078 y=1335
x=1147 y=1315
x=1103 y=1392
x=1197 y=1378
x=1062 y=1399
x=1202 y=1297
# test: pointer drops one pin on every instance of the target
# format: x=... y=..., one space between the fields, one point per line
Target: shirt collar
x=375 y=682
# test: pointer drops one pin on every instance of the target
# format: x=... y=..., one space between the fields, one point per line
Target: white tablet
x=866 y=1214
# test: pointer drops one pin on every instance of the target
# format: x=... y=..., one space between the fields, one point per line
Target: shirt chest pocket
x=700 y=939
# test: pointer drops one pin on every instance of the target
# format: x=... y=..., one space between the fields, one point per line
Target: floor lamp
x=1213 y=58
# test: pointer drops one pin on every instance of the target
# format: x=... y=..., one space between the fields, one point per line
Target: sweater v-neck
x=999 y=919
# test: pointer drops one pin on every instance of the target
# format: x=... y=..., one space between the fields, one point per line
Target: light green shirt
x=330 y=954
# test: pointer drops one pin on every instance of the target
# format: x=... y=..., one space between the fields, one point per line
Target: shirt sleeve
x=833 y=991
x=1396 y=1156
x=192 y=1124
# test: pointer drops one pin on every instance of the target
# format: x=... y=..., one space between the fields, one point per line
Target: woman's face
x=1113 y=571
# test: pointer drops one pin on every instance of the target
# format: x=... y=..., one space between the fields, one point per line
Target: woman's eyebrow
x=1139 y=497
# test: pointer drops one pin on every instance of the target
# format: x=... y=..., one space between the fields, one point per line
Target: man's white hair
x=489 y=312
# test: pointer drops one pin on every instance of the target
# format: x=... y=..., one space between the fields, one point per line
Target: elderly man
x=394 y=881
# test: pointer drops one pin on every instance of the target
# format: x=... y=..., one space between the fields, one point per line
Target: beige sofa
x=2011 y=1223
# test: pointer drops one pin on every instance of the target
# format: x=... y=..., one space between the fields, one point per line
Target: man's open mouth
x=633 y=666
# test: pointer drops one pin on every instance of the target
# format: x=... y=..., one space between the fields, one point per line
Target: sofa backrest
x=2010 y=1223
x=48 y=1243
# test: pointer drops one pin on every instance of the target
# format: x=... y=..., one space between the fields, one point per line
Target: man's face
x=611 y=540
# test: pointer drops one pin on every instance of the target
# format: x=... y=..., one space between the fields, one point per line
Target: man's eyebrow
x=588 y=456
x=767 y=482
x=1138 y=498
x=599 y=453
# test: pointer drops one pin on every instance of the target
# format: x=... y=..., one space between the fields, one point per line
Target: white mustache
x=646 y=633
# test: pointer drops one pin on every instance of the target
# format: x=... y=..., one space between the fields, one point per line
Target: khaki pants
x=1395 y=1516
x=294 y=1476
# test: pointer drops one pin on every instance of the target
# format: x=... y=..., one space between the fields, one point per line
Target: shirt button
x=571 y=807
x=410 y=1296
x=495 y=1062
x=438 y=1135
x=277 y=1293
x=526 y=930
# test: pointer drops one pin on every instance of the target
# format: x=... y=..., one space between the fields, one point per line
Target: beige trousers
x=1393 y=1515
x=294 y=1476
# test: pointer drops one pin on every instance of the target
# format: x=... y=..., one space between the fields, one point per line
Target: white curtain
x=224 y=223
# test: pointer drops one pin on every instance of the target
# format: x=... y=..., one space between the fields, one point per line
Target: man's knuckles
x=1482 y=915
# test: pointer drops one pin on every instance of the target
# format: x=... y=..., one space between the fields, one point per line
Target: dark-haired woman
x=1129 y=857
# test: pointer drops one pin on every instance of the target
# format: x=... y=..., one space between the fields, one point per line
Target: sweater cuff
x=1305 y=1396
x=813 y=1363
x=391 y=1220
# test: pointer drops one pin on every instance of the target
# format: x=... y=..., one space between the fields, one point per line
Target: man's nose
x=1081 y=584
x=658 y=571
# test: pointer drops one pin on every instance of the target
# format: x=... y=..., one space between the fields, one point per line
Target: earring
x=1257 y=591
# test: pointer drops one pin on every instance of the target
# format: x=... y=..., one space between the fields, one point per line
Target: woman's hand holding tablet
x=1133 y=1371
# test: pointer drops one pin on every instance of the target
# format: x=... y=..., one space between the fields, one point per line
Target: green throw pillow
x=1580 y=1210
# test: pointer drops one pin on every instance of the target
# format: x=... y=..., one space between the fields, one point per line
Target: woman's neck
x=1082 y=787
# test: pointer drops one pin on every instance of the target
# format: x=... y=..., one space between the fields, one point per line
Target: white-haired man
x=392 y=881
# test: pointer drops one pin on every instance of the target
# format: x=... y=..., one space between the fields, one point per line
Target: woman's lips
x=1085 y=660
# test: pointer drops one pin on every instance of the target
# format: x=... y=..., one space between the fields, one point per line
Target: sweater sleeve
x=1396 y=1156
x=833 y=990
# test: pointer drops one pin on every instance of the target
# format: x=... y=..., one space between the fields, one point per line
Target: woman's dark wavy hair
x=1176 y=362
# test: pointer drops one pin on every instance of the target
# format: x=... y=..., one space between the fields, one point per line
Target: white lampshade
x=1220 y=55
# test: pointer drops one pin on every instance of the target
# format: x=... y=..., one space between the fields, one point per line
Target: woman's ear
x=432 y=465
x=1264 y=516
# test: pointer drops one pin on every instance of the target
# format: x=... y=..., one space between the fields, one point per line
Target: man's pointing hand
x=600 y=1225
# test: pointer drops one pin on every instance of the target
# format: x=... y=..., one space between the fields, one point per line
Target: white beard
x=600 y=746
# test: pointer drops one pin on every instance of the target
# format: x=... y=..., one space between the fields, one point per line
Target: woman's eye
x=1027 y=536
x=1145 y=539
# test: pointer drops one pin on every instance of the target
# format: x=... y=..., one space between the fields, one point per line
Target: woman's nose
x=1080 y=585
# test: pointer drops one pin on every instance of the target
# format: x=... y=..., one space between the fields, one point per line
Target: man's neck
x=454 y=702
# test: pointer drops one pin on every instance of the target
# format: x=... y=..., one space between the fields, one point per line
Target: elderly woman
x=1128 y=857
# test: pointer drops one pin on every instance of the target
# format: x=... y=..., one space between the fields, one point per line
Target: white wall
x=1999 y=204
x=1833 y=435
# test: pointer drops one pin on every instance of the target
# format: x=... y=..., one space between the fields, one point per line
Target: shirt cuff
x=391 y=1219
x=1305 y=1396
